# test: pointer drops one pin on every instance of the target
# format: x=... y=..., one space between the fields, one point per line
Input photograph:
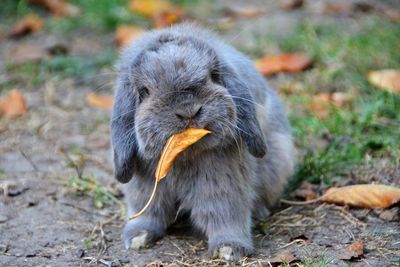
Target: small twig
x=82 y=209
x=30 y=161
x=175 y=245
x=348 y=216
x=299 y=240
x=290 y=202
x=350 y=234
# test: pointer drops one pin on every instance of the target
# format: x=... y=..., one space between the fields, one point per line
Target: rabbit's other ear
x=249 y=127
x=123 y=137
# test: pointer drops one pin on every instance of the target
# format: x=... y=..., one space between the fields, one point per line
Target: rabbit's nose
x=189 y=112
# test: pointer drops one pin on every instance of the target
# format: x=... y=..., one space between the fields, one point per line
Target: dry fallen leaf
x=338 y=8
x=126 y=34
x=25 y=53
x=174 y=146
x=291 y=62
x=284 y=257
x=162 y=12
x=149 y=7
x=389 y=215
x=306 y=191
x=99 y=101
x=321 y=103
x=12 y=105
x=168 y=17
x=58 y=7
x=388 y=79
x=244 y=11
x=363 y=196
x=353 y=251
x=392 y=14
x=346 y=8
x=369 y=196
x=291 y=4
x=28 y=24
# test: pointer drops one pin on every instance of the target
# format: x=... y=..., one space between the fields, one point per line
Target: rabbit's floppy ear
x=123 y=137
x=249 y=127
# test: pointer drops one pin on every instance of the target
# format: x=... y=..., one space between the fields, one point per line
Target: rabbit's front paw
x=138 y=235
x=230 y=252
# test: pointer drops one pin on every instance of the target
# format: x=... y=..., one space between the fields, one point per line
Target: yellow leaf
x=162 y=12
x=28 y=24
x=355 y=250
x=12 y=105
x=126 y=34
x=174 y=146
x=149 y=8
x=168 y=17
x=59 y=8
x=291 y=62
x=321 y=103
x=99 y=101
x=388 y=79
x=363 y=196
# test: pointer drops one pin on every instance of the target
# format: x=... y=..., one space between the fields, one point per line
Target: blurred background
x=335 y=63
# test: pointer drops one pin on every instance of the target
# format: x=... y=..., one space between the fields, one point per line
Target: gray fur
x=193 y=79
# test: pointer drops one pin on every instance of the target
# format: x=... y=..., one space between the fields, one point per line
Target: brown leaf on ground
x=291 y=87
x=353 y=251
x=174 y=146
x=243 y=11
x=392 y=14
x=341 y=99
x=291 y=62
x=168 y=17
x=99 y=101
x=126 y=34
x=284 y=257
x=338 y=8
x=148 y=8
x=363 y=196
x=25 y=53
x=59 y=8
x=349 y=8
x=321 y=103
x=306 y=191
x=389 y=215
x=388 y=79
x=291 y=4
x=12 y=105
x=28 y=24
x=162 y=12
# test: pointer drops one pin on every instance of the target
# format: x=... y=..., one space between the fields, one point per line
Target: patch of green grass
x=316 y=262
x=99 y=15
x=13 y=9
x=367 y=130
x=88 y=186
x=61 y=66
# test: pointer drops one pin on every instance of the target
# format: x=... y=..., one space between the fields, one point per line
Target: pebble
x=3 y=219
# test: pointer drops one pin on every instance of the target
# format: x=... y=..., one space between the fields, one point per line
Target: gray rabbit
x=184 y=76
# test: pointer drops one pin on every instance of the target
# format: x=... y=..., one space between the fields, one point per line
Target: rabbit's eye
x=143 y=93
x=215 y=76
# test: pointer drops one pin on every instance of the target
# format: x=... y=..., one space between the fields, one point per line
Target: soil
x=44 y=222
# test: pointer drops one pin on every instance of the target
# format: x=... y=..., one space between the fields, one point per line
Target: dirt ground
x=43 y=223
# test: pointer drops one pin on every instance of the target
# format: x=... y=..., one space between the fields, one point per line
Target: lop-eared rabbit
x=181 y=77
